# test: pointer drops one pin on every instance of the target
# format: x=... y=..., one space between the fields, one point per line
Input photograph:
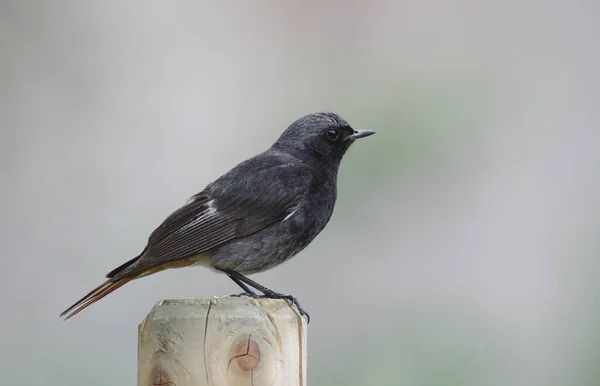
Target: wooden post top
x=222 y=341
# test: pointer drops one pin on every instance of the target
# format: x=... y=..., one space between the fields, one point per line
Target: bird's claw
x=275 y=295
x=293 y=300
x=300 y=309
x=248 y=294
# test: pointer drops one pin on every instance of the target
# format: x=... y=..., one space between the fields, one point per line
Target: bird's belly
x=267 y=248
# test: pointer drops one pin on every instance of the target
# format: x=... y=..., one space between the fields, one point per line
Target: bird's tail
x=96 y=294
x=118 y=277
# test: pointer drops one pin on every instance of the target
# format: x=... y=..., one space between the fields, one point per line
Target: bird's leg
x=247 y=290
x=244 y=282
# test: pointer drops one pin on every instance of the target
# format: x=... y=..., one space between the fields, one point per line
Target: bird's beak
x=359 y=134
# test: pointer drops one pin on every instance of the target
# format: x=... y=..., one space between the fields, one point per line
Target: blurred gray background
x=464 y=246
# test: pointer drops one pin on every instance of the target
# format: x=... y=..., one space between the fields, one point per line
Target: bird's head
x=324 y=135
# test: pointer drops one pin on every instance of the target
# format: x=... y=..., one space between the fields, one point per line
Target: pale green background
x=464 y=246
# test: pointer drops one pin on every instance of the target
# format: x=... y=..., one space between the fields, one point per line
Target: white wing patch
x=289 y=215
x=208 y=213
x=211 y=208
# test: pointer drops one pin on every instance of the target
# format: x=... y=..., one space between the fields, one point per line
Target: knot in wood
x=160 y=377
x=247 y=355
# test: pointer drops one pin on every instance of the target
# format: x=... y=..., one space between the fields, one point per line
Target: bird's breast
x=278 y=242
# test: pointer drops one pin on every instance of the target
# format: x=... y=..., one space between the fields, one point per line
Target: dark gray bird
x=258 y=215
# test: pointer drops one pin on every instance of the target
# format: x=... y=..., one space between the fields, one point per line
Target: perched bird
x=258 y=215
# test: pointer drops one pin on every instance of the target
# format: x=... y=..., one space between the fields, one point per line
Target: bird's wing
x=227 y=209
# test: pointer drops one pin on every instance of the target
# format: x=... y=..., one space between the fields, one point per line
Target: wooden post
x=222 y=341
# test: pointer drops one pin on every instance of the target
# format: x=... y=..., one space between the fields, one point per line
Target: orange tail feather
x=114 y=283
x=96 y=294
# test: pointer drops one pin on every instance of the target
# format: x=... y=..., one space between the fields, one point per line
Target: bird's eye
x=332 y=135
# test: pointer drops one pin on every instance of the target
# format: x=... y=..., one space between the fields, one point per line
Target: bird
x=254 y=217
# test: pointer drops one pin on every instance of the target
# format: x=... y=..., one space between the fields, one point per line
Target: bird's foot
x=293 y=300
x=248 y=294
x=275 y=295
